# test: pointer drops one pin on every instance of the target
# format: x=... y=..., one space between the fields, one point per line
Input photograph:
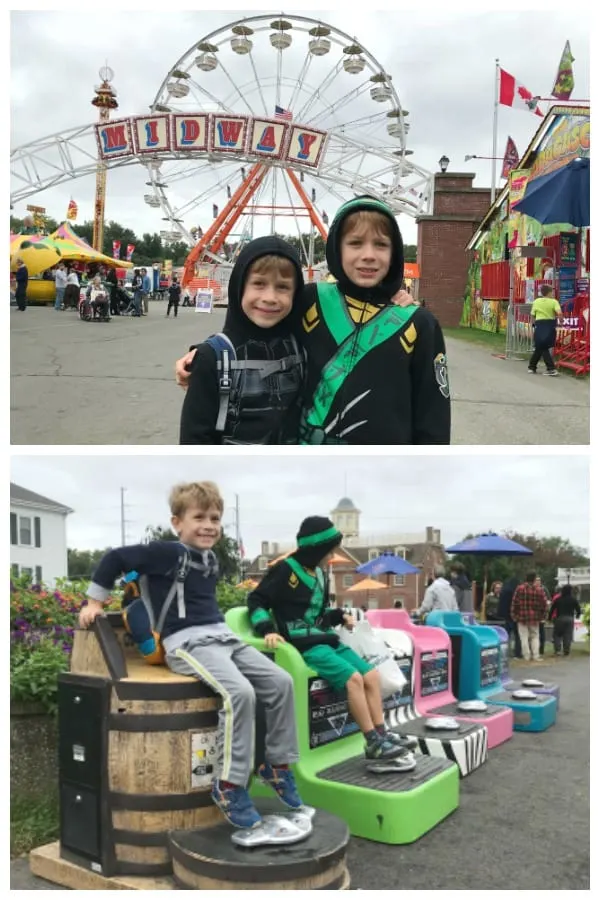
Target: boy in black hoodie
x=376 y=371
x=248 y=393
x=296 y=592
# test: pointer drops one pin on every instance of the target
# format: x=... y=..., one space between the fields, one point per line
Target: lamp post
x=444 y=162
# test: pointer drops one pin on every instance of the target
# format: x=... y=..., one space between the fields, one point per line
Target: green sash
x=353 y=344
x=317 y=585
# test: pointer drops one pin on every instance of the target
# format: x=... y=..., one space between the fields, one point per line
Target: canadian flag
x=515 y=94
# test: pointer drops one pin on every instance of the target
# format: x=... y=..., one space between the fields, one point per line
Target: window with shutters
x=398 y=580
x=262 y=563
x=14 y=570
x=25 y=531
x=38 y=574
x=14 y=532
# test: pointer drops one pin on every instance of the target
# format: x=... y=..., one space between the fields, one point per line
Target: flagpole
x=495 y=139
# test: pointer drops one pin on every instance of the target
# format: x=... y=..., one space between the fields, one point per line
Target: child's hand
x=271 y=640
x=349 y=621
x=88 y=613
x=403 y=298
x=182 y=369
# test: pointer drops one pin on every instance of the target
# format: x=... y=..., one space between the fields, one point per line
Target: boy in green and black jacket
x=291 y=603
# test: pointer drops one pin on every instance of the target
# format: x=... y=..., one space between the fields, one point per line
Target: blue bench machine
x=392 y=808
x=532 y=684
x=476 y=673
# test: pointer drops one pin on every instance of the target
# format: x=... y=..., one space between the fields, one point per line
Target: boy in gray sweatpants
x=197 y=642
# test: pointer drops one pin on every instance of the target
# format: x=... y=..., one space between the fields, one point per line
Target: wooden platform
x=45 y=862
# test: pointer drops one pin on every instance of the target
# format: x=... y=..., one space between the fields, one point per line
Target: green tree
x=226 y=549
x=410 y=253
x=81 y=563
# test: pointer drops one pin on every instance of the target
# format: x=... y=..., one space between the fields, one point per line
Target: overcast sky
x=441 y=61
x=457 y=494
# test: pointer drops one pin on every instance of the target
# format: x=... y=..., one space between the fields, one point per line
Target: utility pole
x=237 y=533
x=123 y=541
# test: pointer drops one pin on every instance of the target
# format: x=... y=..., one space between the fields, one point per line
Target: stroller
x=94 y=310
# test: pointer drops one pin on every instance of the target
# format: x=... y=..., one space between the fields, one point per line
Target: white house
x=38 y=536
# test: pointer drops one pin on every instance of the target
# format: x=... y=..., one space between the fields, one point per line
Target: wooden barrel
x=209 y=860
x=158 y=734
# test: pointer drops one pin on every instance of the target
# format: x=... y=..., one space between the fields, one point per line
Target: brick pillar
x=458 y=208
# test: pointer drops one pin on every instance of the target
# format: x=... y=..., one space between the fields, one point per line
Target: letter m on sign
x=114 y=138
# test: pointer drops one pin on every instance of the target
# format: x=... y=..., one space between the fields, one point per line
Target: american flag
x=281 y=113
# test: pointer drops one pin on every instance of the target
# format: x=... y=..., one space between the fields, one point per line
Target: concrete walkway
x=523 y=821
x=112 y=383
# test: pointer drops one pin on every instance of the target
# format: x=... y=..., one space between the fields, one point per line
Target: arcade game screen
x=489 y=666
x=434 y=672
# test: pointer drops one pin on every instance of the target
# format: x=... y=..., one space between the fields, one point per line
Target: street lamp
x=444 y=163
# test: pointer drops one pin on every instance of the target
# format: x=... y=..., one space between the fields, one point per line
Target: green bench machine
x=395 y=808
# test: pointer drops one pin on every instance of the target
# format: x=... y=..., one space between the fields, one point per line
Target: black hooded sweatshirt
x=265 y=416
x=397 y=392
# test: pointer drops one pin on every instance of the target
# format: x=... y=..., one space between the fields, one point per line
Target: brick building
x=421 y=550
x=458 y=209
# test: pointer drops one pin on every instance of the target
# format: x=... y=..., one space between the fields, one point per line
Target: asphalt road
x=523 y=819
x=94 y=383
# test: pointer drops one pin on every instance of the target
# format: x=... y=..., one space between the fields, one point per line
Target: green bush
x=228 y=595
x=34 y=671
x=585 y=618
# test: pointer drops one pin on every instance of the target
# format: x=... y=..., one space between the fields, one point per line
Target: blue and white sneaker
x=283 y=783
x=236 y=806
x=410 y=743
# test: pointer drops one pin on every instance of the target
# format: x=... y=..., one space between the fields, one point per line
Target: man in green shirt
x=544 y=312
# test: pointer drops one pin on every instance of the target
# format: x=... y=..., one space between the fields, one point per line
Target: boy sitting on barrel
x=296 y=592
x=197 y=642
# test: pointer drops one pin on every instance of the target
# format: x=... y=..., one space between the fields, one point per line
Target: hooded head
x=317 y=537
x=238 y=327
x=384 y=291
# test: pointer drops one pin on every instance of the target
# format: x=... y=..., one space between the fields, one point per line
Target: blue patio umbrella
x=560 y=196
x=490 y=544
x=387 y=564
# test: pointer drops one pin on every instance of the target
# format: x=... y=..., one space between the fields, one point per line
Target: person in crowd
x=462 y=586
x=146 y=290
x=398 y=604
x=504 y=611
x=563 y=611
x=71 y=298
x=96 y=295
x=528 y=609
x=545 y=311
x=291 y=604
x=174 y=296
x=60 y=285
x=112 y=282
x=197 y=642
x=135 y=307
x=492 y=603
x=21 y=278
x=540 y=584
x=439 y=595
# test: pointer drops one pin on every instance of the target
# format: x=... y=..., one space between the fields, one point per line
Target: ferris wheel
x=290 y=69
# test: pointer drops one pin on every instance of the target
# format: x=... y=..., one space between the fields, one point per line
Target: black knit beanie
x=316 y=537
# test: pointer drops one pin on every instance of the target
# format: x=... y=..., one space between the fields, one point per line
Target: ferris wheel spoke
x=236 y=90
x=198 y=91
x=335 y=108
x=318 y=91
x=299 y=83
x=289 y=194
x=258 y=84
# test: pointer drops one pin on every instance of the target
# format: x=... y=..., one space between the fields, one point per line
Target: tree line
x=150 y=248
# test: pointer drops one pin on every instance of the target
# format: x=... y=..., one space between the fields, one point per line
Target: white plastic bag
x=372 y=648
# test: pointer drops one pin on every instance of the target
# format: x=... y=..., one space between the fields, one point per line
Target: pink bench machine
x=432 y=662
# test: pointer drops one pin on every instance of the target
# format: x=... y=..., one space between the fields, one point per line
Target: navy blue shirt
x=159 y=561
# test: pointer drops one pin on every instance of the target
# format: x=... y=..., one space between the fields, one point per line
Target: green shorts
x=336 y=664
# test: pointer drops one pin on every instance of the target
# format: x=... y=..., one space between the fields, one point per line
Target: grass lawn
x=496 y=343
x=33 y=822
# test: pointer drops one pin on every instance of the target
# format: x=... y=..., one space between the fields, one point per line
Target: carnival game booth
x=431 y=661
x=476 y=673
x=523 y=243
x=532 y=684
x=391 y=808
x=137 y=755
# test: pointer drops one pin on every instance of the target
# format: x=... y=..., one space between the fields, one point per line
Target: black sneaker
x=381 y=747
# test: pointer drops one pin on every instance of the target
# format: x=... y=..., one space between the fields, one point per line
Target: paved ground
x=94 y=383
x=522 y=823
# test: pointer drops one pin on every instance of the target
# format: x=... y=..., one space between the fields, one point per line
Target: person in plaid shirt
x=528 y=609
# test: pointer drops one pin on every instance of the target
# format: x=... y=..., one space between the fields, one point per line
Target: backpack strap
x=225 y=353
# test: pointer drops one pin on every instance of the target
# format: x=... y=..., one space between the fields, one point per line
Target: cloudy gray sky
x=441 y=61
x=456 y=493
